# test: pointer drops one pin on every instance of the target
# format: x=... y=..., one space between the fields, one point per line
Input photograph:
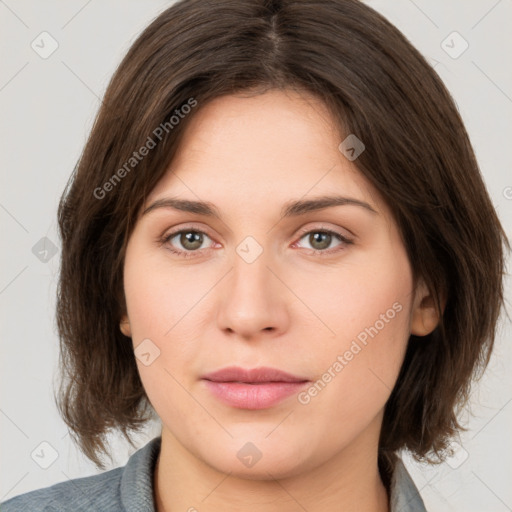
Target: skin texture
x=290 y=308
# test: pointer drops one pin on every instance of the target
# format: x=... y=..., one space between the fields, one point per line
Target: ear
x=124 y=325
x=424 y=317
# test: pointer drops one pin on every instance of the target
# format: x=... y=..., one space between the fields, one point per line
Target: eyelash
x=191 y=254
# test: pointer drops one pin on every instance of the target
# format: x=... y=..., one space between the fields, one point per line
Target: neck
x=349 y=482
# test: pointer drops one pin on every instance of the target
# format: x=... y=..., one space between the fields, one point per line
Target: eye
x=191 y=240
x=321 y=239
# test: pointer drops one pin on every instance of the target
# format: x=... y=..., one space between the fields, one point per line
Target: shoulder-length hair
x=418 y=156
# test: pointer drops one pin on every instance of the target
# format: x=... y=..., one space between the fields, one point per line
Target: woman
x=277 y=238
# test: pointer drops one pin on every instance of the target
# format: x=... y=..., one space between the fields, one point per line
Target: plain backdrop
x=47 y=109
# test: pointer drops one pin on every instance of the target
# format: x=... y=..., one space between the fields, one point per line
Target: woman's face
x=325 y=295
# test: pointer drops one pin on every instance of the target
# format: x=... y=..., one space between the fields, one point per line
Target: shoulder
x=97 y=492
x=128 y=488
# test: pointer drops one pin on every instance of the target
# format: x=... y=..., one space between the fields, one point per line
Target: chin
x=259 y=461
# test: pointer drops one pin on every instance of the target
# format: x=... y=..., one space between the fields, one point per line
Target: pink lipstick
x=257 y=388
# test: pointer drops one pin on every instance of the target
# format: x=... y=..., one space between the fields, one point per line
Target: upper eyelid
x=321 y=227
x=337 y=230
x=300 y=234
x=174 y=232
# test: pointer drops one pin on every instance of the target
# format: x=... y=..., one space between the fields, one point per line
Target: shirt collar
x=137 y=480
x=404 y=495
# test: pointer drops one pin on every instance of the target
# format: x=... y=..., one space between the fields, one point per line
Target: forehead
x=262 y=150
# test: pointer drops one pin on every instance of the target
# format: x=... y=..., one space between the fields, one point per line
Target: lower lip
x=253 y=396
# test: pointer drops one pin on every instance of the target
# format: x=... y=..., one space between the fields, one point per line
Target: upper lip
x=261 y=374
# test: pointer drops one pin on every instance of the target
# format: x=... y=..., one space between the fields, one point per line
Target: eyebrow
x=290 y=209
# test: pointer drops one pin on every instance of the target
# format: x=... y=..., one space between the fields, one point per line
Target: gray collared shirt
x=130 y=489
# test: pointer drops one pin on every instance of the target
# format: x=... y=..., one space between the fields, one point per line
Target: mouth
x=257 y=388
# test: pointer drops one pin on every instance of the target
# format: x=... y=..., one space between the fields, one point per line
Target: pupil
x=191 y=240
x=324 y=240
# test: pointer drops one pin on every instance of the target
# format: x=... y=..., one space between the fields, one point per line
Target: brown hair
x=417 y=155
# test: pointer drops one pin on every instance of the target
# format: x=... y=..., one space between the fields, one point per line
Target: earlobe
x=424 y=317
x=125 y=327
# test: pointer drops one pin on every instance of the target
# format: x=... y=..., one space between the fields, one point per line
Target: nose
x=253 y=301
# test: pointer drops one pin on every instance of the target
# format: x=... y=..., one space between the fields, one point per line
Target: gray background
x=47 y=109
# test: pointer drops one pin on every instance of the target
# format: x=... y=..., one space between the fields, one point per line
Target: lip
x=256 y=388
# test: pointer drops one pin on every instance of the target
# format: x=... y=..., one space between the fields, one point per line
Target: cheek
x=365 y=300
x=368 y=308
x=375 y=316
x=158 y=296
x=160 y=304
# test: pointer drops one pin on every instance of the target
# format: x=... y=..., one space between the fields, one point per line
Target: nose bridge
x=251 y=277
x=251 y=301
x=250 y=268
